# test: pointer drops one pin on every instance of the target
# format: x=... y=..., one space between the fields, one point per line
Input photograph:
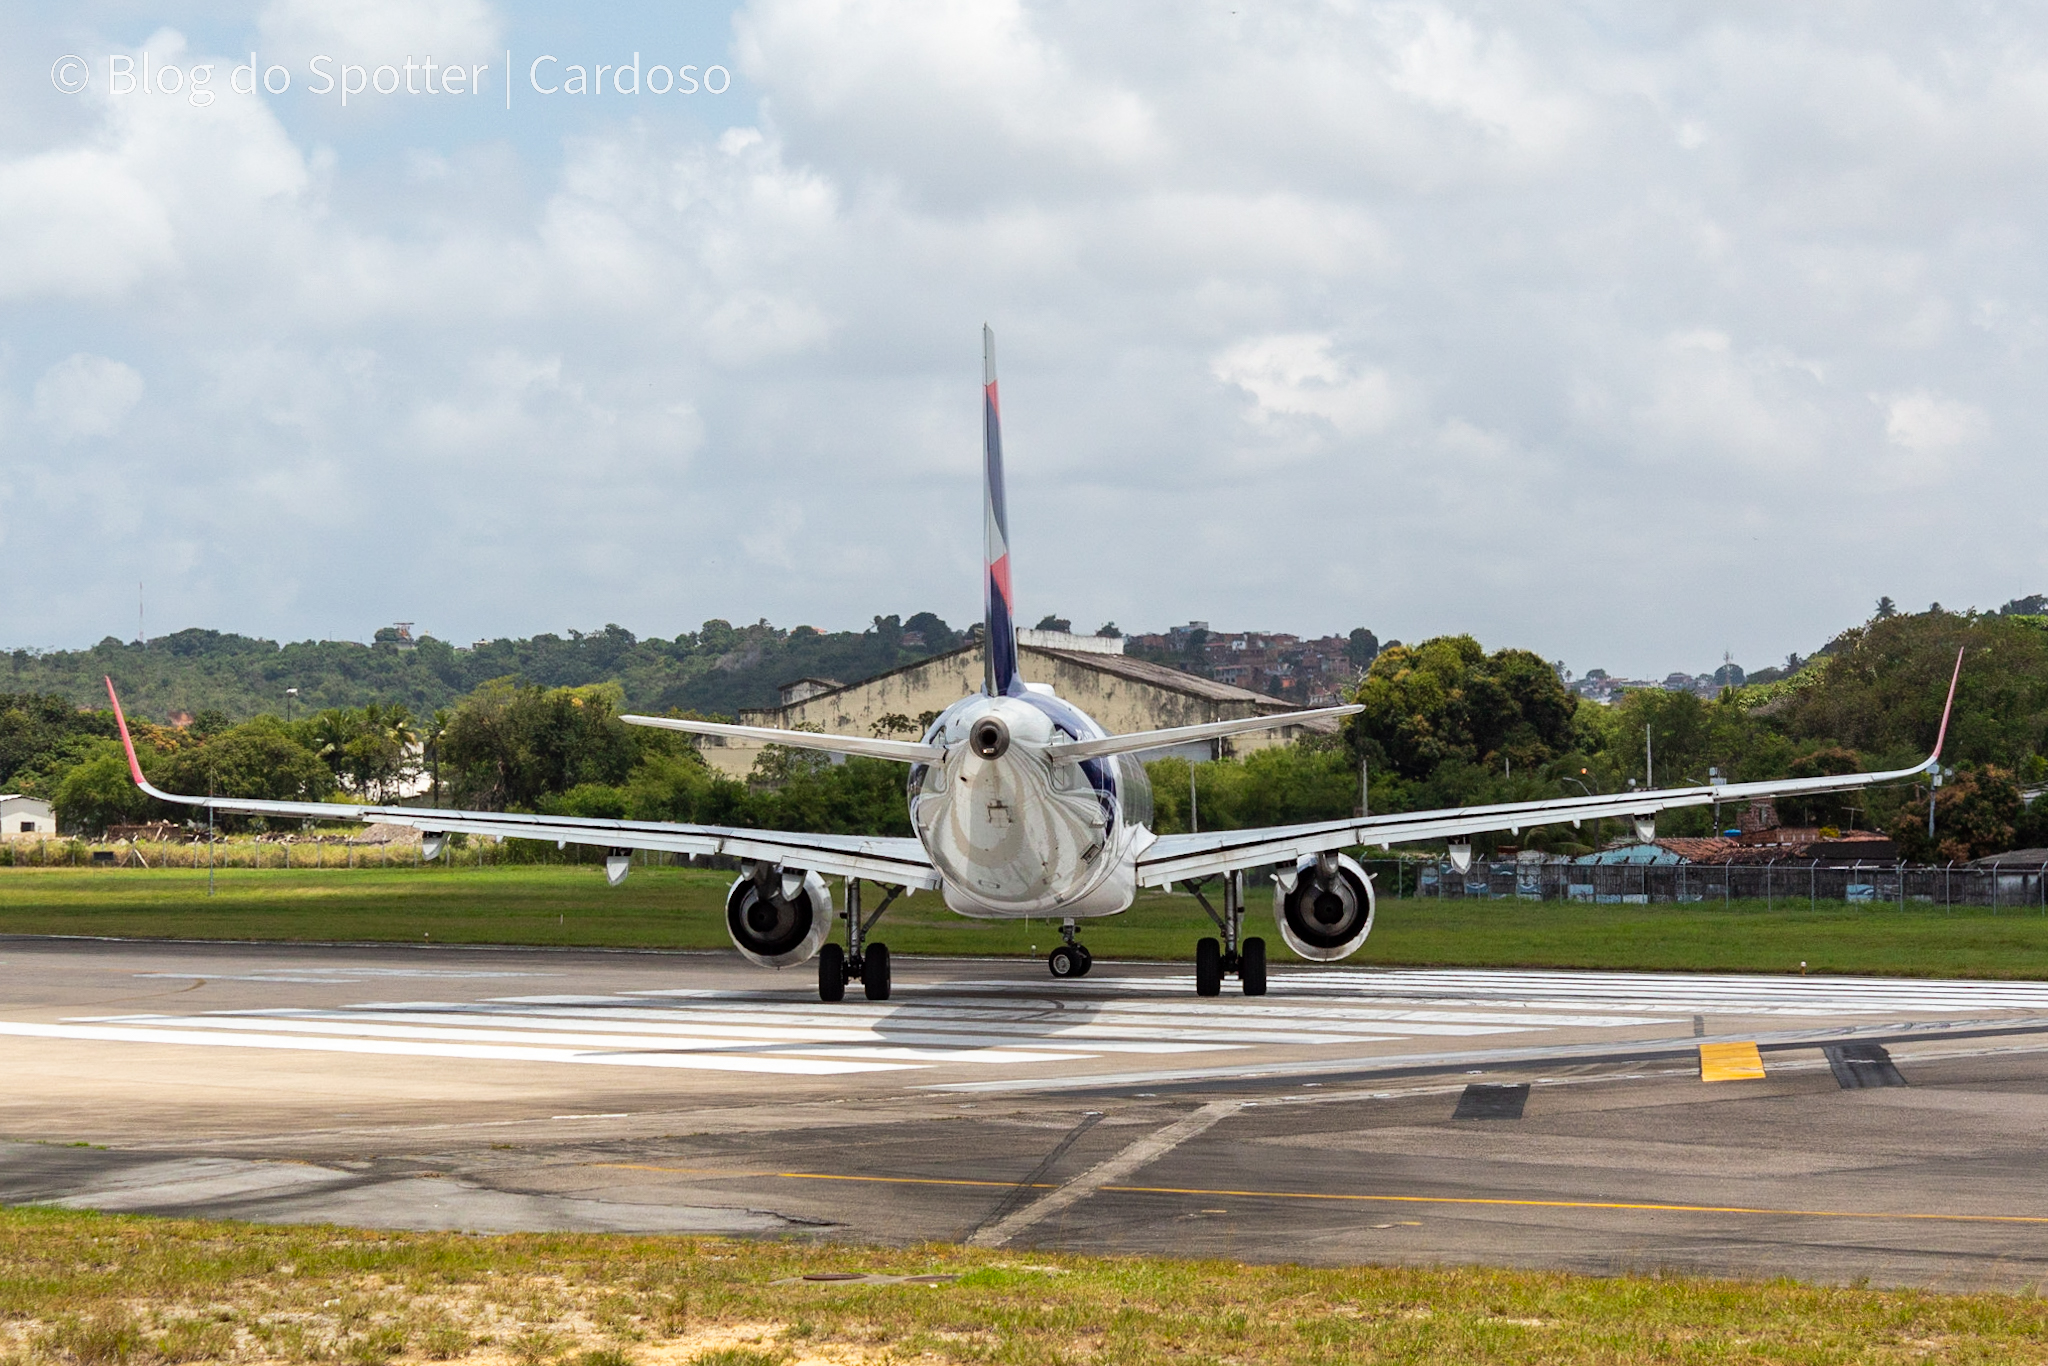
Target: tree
x=1049 y=622
x=368 y=748
x=1886 y=609
x=262 y=759
x=99 y=792
x=1974 y=815
x=938 y=636
x=1361 y=647
x=1884 y=685
x=510 y=744
x=1447 y=701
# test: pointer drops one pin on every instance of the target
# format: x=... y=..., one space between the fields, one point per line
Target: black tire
x=1208 y=968
x=1251 y=967
x=1087 y=960
x=831 y=973
x=874 y=972
x=1064 y=962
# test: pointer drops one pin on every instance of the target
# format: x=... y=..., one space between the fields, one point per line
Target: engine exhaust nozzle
x=989 y=737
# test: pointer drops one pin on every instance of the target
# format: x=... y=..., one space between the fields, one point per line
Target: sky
x=1630 y=334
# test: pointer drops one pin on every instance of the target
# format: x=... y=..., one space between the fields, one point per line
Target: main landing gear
x=1070 y=959
x=1234 y=955
x=867 y=965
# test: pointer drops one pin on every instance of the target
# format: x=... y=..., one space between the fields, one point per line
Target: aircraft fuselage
x=1014 y=832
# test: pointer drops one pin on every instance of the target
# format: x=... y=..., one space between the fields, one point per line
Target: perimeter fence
x=2004 y=886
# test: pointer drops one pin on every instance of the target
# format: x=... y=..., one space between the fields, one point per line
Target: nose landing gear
x=1234 y=955
x=1070 y=959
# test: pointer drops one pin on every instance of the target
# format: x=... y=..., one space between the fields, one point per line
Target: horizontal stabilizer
x=902 y=751
x=1181 y=735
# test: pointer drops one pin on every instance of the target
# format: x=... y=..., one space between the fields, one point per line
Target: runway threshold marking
x=1731 y=1062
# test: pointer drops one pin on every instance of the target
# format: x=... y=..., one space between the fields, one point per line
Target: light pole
x=1933 y=787
x=291 y=695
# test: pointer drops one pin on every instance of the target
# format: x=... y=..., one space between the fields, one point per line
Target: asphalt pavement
x=1871 y=1129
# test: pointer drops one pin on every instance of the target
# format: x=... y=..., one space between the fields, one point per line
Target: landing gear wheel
x=1251 y=967
x=1208 y=968
x=1087 y=961
x=874 y=972
x=831 y=973
x=1066 y=961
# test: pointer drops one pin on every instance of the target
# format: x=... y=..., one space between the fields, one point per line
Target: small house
x=21 y=815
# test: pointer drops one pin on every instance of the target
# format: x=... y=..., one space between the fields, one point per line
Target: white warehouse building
x=21 y=815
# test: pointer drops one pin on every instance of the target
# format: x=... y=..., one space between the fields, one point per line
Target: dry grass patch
x=81 y=1289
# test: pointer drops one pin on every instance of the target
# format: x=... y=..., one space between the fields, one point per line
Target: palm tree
x=437 y=727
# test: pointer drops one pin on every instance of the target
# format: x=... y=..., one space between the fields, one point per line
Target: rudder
x=999 y=624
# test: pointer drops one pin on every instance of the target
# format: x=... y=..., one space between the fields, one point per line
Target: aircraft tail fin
x=999 y=625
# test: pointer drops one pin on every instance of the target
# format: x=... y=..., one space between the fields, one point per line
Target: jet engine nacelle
x=1327 y=913
x=776 y=921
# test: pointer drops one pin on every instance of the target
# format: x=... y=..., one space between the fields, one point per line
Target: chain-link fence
x=2004 y=886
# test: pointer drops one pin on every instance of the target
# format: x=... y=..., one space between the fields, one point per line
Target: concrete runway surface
x=1899 y=1130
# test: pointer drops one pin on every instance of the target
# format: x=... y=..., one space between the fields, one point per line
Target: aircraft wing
x=1172 y=858
x=893 y=860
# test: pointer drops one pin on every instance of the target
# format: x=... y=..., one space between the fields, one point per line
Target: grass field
x=683 y=908
x=92 y=1290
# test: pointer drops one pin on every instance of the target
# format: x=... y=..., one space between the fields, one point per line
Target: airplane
x=1023 y=806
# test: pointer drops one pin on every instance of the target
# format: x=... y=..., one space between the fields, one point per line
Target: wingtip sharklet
x=127 y=741
x=1941 y=736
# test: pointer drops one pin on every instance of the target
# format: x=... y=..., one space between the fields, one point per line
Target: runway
x=1882 y=1129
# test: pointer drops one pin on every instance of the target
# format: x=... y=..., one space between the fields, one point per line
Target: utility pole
x=1194 y=816
x=1364 y=787
x=1649 y=769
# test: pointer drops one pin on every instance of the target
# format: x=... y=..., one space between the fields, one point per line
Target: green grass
x=95 y=1290
x=682 y=908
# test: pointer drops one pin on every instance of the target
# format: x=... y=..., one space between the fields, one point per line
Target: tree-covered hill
x=716 y=670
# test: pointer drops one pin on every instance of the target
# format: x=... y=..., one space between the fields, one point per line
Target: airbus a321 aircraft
x=1023 y=806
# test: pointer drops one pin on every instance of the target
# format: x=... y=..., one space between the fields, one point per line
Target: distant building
x=1779 y=844
x=21 y=815
x=798 y=689
x=1067 y=640
x=1124 y=694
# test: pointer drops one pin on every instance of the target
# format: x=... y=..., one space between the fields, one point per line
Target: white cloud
x=86 y=396
x=1295 y=375
x=1498 y=290
x=1928 y=424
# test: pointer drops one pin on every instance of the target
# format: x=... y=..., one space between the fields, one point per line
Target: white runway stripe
x=1594 y=990
x=1019 y=1027
x=720 y=1035
x=705 y=1062
x=587 y=1041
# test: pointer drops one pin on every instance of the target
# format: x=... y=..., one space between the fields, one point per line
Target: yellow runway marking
x=1649 y=1207
x=1730 y=1062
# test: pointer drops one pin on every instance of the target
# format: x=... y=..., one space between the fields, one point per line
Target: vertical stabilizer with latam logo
x=999 y=618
